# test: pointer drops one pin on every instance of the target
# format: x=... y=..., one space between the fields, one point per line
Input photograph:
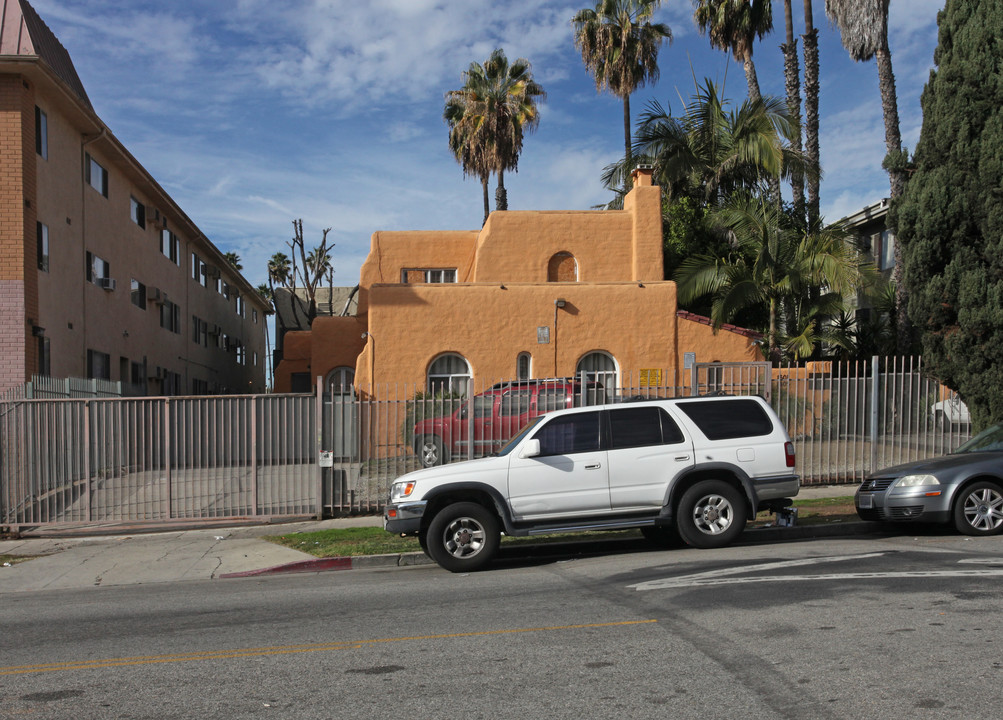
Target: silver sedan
x=964 y=488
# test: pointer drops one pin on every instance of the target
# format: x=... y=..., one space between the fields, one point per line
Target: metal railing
x=153 y=460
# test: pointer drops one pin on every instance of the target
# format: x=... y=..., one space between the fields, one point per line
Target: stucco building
x=530 y=295
x=102 y=274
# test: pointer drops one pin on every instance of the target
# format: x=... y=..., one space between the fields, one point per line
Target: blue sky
x=254 y=112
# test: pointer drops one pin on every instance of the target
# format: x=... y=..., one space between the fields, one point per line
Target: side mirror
x=530 y=449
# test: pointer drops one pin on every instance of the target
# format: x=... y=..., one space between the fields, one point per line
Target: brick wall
x=17 y=161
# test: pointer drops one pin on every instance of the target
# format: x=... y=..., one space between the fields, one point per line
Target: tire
x=662 y=536
x=429 y=450
x=979 y=509
x=463 y=537
x=711 y=514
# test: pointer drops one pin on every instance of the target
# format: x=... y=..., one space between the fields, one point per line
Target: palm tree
x=619 y=46
x=234 y=260
x=710 y=152
x=792 y=84
x=489 y=116
x=811 y=88
x=775 y=266
x=863 y=28
x=733 y=25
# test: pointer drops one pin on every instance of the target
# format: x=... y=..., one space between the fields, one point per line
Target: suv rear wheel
x=463 y=537
x=711 y=514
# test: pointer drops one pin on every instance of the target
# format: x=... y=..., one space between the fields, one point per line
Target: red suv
x=499 y=414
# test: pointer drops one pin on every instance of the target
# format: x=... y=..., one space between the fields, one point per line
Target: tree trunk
x=793 y=86
x=487 y=200
x=750 y=78
x=626 y=135
x=897 y=180
x=501 y=197
x=810 y=39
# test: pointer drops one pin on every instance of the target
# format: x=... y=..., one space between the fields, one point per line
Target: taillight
x=789 y=452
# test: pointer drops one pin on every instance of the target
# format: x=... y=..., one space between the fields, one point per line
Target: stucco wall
x=490 y=325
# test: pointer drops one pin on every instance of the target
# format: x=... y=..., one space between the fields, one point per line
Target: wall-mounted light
x=560 y=302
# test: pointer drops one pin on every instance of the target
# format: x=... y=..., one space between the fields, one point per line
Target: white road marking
x=726 y=577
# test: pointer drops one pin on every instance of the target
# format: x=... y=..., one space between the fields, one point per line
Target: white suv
x=699 y=467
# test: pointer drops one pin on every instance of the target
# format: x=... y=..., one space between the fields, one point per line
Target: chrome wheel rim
x=429 y=454
x=713 y=514
x=464 y=537
x=984 y=509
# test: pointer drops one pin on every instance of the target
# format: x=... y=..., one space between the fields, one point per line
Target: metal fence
x=152 y=460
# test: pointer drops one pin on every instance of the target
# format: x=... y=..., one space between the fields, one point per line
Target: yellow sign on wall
x=650 y=377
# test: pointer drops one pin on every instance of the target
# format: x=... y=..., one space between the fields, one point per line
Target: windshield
x=988 y=440
x=518 y=438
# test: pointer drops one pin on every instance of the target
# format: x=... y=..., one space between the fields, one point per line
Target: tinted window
x=515 y=403
x=552 y=399
x=570 y=434
x=727 y=419
x=641 y=426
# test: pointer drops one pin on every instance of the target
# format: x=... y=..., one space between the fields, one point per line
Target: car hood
x=463 y=469
x=944 y=463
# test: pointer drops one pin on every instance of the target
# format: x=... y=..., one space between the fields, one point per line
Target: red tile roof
x=703 y=320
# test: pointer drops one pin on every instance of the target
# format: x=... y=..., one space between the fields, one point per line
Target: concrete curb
x=358 y=562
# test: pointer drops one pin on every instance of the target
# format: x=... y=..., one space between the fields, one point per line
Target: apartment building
x=102 y=274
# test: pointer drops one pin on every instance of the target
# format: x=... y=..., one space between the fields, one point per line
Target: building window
x=137 y=211
x=255 y=355
x=41 y=133
x=240 y=306
x=449 y=374
x=137 y=293
x=200 y=271
x=98 y=270
x=562 y=268
x=428 y=275
x=170 y=317
x=44 y=356
x=98 y=365
x=97 y=176
x=170 y=246
x=200 y=331
x=254 y=315
x=598 y=367
x=222 y=287
x=524 y=366
x=42 y=233
x=340 y=381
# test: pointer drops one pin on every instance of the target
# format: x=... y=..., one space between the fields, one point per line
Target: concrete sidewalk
x=127 y=558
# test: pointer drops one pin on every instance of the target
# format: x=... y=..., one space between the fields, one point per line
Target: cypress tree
x=950 y=219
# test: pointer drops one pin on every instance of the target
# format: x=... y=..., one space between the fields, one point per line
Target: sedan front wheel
x=979 y=510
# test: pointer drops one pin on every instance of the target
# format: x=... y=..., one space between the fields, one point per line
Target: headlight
x=916 y=481
x=401 y=490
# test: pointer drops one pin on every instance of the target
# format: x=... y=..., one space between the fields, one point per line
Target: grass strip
x=344 y=542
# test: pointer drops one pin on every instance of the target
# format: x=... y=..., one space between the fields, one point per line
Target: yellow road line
x=283 y=649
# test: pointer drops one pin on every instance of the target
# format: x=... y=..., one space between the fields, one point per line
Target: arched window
x=339 y=382
x=562 y=268
x=449 y=374
x=524 y=366
x=599 y=367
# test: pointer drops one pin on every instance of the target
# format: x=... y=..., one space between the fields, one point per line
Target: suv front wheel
x=711 y=514
x=463 y=537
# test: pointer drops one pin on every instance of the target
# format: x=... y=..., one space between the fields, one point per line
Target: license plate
x=865 y=501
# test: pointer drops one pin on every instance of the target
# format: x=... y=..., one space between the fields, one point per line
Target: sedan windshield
x=990 y=439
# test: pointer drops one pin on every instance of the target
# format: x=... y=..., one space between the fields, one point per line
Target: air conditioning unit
x=106 y=283
x=155 y=296
x=214 y=330
x=153 y=215
x=158 y=374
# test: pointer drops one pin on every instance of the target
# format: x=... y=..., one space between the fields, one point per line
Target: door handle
x=680 y=458
x=593 y=467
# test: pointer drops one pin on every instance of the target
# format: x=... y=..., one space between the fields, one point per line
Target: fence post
x=254 y=454
x=87 y=456
x=318 y=445
x=875 y=398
